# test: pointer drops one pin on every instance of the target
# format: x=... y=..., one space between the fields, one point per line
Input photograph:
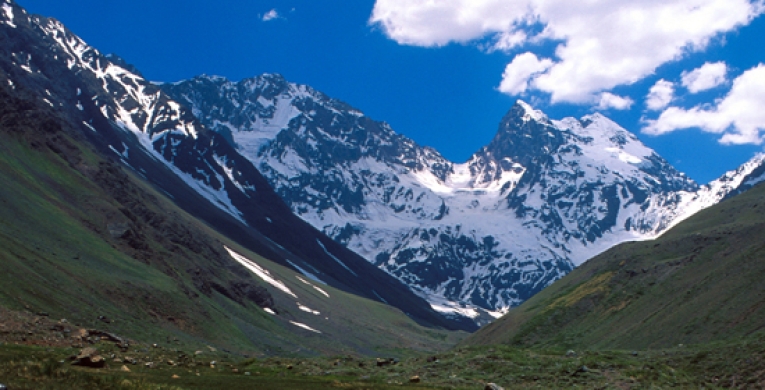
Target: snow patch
x=624 y=156
x=335 y=258
x=8 y=10
x=310 y=284
x=269 y=311
x=379 y=297
x=304 y=326
x=531 y=113
x=260 y=271
x=89 y=126
x=306 y=273
x=307 y=309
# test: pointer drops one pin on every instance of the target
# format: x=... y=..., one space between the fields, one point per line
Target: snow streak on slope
x=108 y=103
x=473 y=238
x=261 y=272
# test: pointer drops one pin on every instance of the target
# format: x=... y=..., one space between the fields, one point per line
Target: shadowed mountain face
x=702 y=281
x=139 y=150
x=474 y=238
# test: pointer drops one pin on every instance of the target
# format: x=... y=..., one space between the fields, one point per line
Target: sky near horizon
x=686 y=76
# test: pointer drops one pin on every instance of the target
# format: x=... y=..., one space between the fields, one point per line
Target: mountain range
x=118 y=203
x=469 y=240
x=473 y=238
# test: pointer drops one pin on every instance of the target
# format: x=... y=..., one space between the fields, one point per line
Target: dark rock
x=118 y=229
x=582 y=369
x=432 y=359
x=107 y=336
x=386 y=362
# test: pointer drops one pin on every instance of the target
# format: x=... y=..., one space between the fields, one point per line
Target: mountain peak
x=524 y=135
x=527 y=112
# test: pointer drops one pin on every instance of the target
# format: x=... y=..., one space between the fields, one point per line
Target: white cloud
x=515 y=79
x=508 y=40
x=271 y=15
x=605 y=43
x=660 y=95
x=609 y=100
x=739 y=117
x=706 y=77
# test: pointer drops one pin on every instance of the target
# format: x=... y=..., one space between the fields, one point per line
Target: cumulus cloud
x=708 y=76
x=270 y=15
x=660 y=95
x=738 y=117
x=601 y=44
x=611 y=101
x=508 y=40
x=515 y=79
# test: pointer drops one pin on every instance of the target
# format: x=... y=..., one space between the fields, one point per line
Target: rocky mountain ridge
x=474 y=238
x=136 y=123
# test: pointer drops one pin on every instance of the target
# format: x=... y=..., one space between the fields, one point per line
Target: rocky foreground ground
x=39 y=352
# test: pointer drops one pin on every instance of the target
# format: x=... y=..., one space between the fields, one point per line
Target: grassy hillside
x=702 y=281
x=85 y=240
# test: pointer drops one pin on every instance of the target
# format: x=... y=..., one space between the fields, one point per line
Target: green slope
x=82 y=238
x=703 y=281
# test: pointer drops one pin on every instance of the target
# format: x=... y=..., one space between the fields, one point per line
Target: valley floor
x=35 y=355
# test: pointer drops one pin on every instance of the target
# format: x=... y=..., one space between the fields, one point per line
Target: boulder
x=89 y=357
x=383 y=362
x=493 y=386
x=118 y=229
x=386 y=362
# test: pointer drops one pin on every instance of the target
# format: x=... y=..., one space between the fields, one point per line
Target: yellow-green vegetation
x=598 y=284
x=702 y=281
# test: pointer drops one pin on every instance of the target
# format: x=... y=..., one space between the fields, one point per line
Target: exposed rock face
x=473 y=238
x=103 y=100
x=482 y=236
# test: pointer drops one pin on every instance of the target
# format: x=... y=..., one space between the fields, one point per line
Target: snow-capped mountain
x=136 y=122
x=472 y=238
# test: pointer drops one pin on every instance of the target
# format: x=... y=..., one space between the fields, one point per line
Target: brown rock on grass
x=89 y=357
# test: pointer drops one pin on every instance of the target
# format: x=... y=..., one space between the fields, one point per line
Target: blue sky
x=444 y=74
